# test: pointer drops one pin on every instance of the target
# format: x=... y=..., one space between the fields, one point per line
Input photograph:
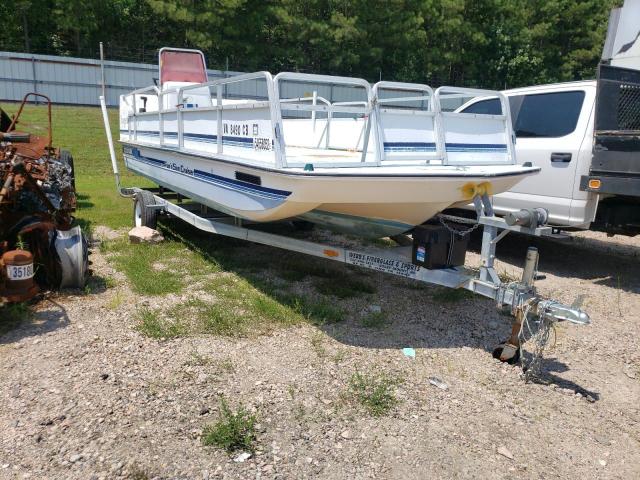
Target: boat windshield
x=181 y=66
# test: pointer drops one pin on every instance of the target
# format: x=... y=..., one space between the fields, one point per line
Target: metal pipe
x=102 y=70
x=15 y=118
x=313 y=112
x=112 y=151
x=488 y=206
x=530 y=267
x=327 y=139
x=219 y=118
x=365 y=141
x=35 y=79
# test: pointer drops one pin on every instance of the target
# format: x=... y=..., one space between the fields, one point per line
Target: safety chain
x=537 y=331
x=461 y=232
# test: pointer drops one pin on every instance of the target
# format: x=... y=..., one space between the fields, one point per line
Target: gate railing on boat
x=455 y=124
x=395 y=123
x=356 y=108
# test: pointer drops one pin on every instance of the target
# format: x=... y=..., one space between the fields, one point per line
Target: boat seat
x=195 y=98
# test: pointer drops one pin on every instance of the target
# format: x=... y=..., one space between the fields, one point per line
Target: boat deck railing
x=392 y=123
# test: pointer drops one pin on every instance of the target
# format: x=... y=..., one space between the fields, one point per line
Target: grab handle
x=560 y=157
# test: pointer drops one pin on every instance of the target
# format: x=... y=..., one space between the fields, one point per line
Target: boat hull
x=366 y=201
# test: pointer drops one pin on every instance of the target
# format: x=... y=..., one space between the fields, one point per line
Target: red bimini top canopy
x=182 y=66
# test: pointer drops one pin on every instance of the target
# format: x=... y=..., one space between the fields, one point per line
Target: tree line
x=487 y=43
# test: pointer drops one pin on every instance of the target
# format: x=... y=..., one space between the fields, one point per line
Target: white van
x=554 y=127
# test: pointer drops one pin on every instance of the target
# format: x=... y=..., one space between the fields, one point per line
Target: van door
x=549 y=132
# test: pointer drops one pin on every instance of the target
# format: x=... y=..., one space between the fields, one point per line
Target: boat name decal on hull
x=225 y=182
x=180 y=168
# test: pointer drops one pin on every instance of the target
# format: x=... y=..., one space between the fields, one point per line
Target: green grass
x=244 y=302
x=318 y=312
x=239 y=309
x=451 y=295
x=375 y=392
x=297 y=267
x=374 y=320
x=12 y=315
x=81 y=131
x=158 y=269
x=152 y=324
x=233 y=431
x=344 y=287
x=238 y=302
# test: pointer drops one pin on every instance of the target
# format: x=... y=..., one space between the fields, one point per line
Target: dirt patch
x=85 y=395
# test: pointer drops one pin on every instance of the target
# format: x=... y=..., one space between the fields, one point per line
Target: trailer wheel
x=67 y=158
x=143 y=213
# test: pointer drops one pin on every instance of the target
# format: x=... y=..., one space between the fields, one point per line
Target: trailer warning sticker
x=388 y=265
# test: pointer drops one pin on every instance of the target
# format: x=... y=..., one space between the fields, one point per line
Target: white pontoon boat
x=374 y=160
x=265 y=148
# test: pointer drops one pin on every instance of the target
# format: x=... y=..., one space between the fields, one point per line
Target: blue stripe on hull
x=200 y=175
x=228 y=140
x=416 y=147
x=450 y=147
x=476 y=147
x=409 y=147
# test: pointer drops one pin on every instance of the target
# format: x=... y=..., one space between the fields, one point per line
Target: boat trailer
x=519 y=298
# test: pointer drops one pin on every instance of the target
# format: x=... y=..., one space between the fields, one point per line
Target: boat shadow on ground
x=416 y=316
x=608 y=264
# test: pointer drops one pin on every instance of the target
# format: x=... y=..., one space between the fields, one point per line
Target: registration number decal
x=20 y=272
x=262 y=143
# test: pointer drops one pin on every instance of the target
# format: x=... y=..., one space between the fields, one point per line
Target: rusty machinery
x=40 y=248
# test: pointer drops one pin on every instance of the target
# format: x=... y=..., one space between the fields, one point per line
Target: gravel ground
x=84 y=395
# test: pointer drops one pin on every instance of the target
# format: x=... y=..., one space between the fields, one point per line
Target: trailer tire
x=67 y=158
x=144 y=215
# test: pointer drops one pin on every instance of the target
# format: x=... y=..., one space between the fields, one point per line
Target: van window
x=546 y=115
x=485 y=107
x=491 y=106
